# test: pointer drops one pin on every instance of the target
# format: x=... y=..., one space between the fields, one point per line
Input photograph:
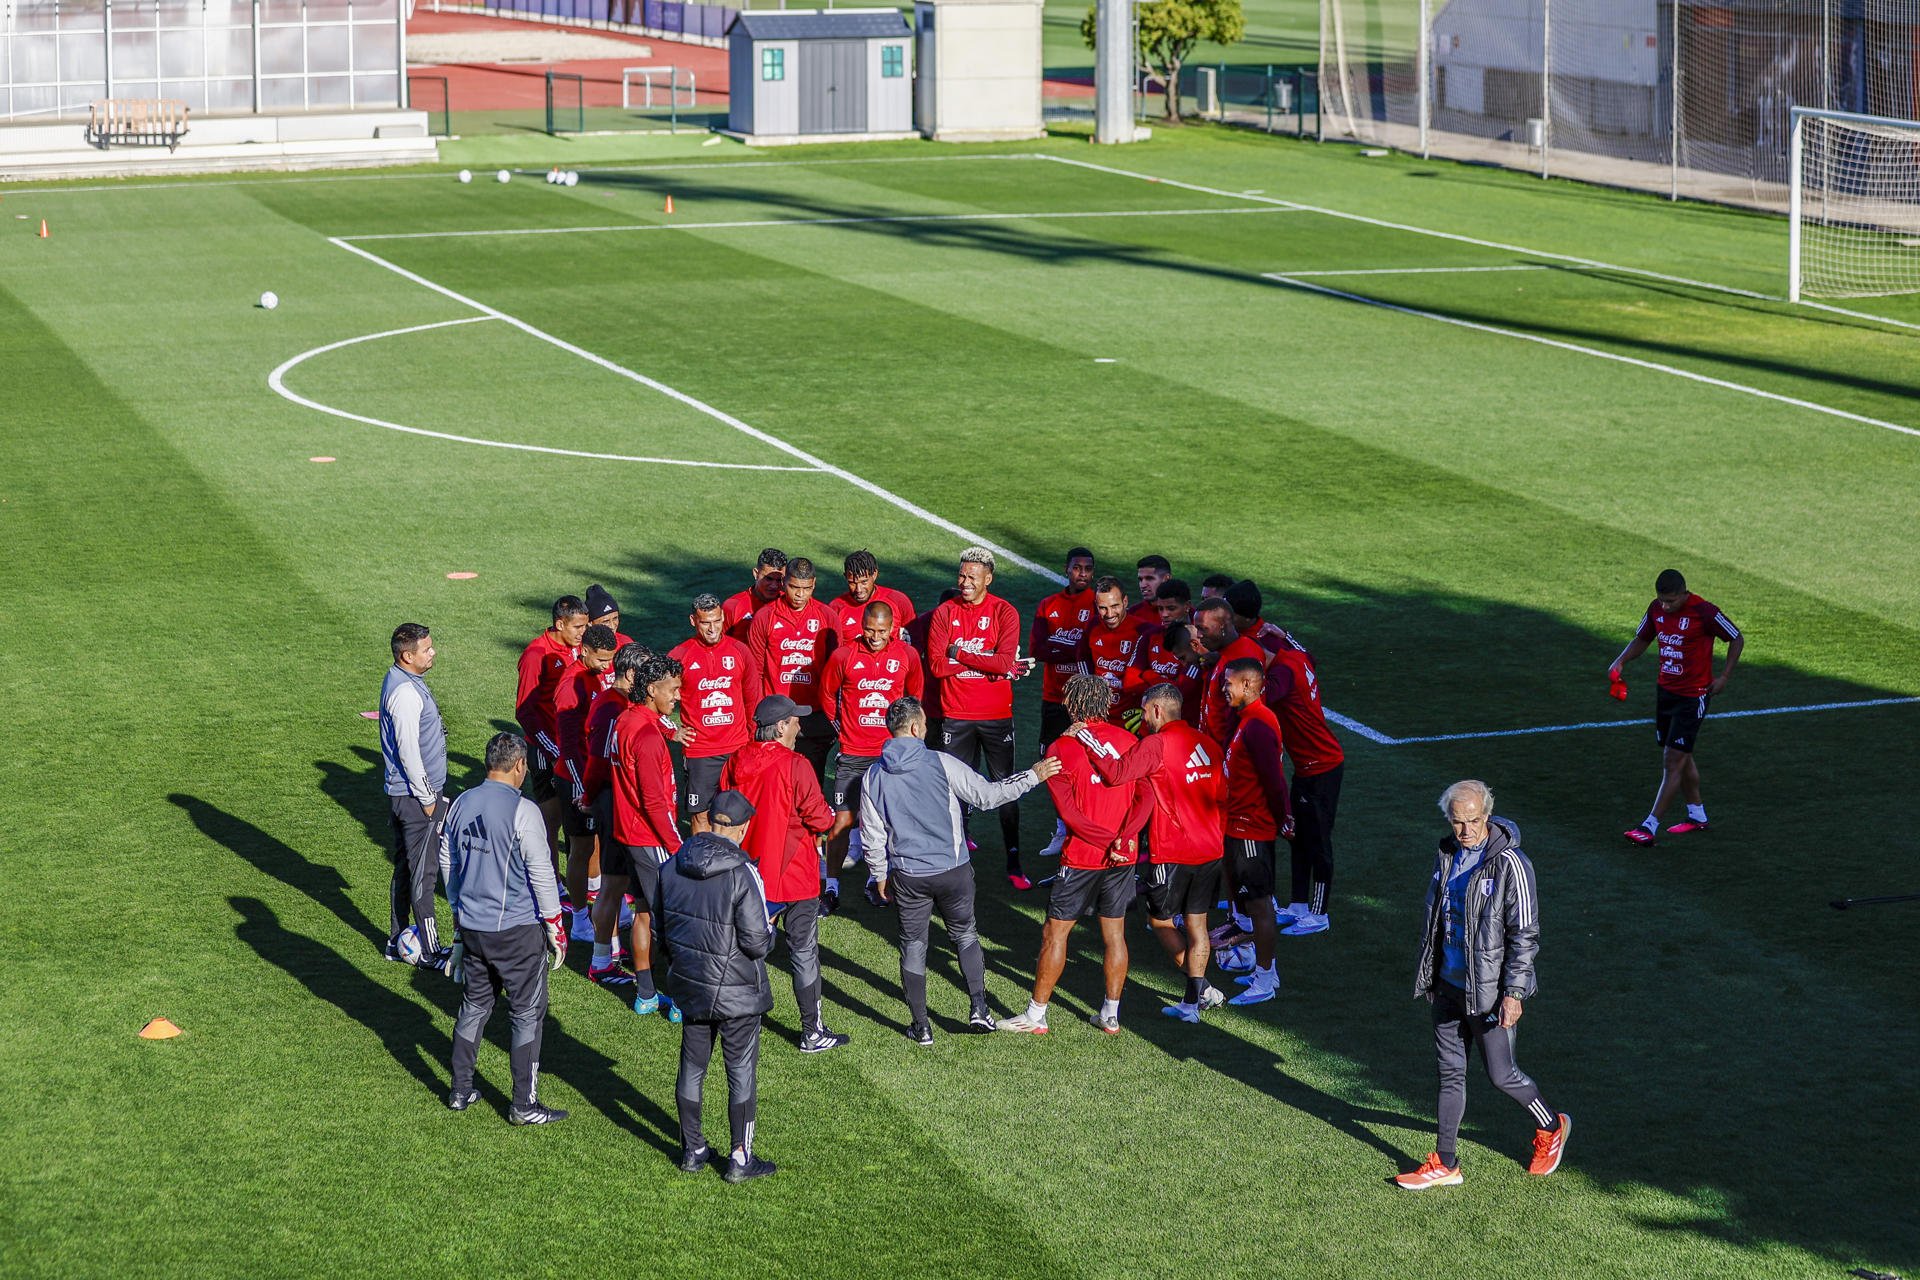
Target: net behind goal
x=1854 y=205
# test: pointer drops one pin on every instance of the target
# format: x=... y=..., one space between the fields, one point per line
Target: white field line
x=1858 y=315
x=277 y=380
x=1643 y=723
x=1365 y=731
x=718 y=415
x=443 y=175
x=751 y=223
x=1597 y=353
x=1408 y=271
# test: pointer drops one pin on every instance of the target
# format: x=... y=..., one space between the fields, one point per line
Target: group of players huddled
x=1168 y=718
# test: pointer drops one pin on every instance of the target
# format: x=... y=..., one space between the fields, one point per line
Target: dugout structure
x=820 y=76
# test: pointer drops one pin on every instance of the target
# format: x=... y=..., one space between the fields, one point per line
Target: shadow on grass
x=319 y=881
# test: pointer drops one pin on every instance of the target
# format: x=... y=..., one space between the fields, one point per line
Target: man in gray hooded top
x=915 y=839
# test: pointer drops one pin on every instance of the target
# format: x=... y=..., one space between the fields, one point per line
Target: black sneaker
x=818 y=1040
x=538 y=1113
x=981 y=1020
x=873 y=894
x=829 y=900
x=920 y=1033
x=693 y=1161
x=392 y=951
x=461 y=1099
x=752 y=1167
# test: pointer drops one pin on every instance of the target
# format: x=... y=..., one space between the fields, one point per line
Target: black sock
x=1196 y=987
x=1451 y=1159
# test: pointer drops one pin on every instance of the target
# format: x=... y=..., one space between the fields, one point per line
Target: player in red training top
x=768 y=573
x=1150 y=571
x=1188 y=779
x=862 y=679
x=722 y=684
x=1219 y=642
x=849 y=609
x=1259 y=814
x=1109 y=644
x=644 y=835
x=1154 y=659
x=917 y=632
x=791 y=637
x=543 y=664
x=571 y=702
x=1246 y=601
x=1293 y=691
x=973 y=655
x=1096 y=866
x=1685 y=627
x=1060 y=622
x=602 y=715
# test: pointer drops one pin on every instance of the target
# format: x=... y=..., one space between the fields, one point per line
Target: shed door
x=833 y=86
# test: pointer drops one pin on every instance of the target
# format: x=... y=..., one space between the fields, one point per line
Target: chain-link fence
x=1688 y=97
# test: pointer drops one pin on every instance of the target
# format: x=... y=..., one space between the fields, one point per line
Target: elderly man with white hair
x=1476 y=967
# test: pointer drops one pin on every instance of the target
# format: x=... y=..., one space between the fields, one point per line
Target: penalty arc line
x=277 y=380
x=1635 y=361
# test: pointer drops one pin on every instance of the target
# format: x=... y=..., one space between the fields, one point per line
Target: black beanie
x=599 y=603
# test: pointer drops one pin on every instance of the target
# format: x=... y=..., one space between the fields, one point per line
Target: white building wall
x=986 y=68
x=890 y=102
x=776 y=103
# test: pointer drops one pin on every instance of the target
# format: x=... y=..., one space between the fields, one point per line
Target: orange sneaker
x=1549 y=1145
x=1431 y=1173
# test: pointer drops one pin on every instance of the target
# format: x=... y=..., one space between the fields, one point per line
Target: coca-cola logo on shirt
x=715 y=682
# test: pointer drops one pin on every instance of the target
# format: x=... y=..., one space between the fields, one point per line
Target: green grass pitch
x=1457 y=498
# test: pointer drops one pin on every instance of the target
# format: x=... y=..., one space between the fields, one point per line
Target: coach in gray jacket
x=506 y=907
x=915 y=839
x=413 y=769
x=1476 y=969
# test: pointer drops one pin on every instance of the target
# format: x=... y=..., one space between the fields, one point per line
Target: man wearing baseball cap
x=710 y=924
x=784 y=843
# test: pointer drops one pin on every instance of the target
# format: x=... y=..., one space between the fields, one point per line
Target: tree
x=1169 y=29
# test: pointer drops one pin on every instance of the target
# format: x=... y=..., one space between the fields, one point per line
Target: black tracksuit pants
x=416 y=868
x=1455 y=1032
x=513 y=960
x=1315 y=797
x=918 y=897
x=992 y=742
x=740 y=1050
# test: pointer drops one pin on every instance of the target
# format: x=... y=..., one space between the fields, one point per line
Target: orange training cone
x=43 y=228
x=669 y=206
x=159 y=1029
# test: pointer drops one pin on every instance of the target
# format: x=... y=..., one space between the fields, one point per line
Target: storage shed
x=797 y=75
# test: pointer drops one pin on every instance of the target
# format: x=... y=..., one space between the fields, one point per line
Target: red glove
x=556 y=940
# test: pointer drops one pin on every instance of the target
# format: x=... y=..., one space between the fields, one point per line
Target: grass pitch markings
x=1644 y=722
x=753 y=223
x=277 y=380
x=1741 y=387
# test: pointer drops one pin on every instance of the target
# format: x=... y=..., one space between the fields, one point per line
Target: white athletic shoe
x=583 y=926
x=1264 y=987
x=1308 y=924
x=1287 y=915
x=1059 y=841
x=1212 y=998
x=1021 y=1022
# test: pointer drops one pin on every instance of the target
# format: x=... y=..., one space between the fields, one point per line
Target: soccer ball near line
x=408 y=945
x=269 y=300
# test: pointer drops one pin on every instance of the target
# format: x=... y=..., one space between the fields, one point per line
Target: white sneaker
x=583 y=926
x=1021 y=1022
x=1212 y=998
x=1307 y=924
x=1264 y=987
x=1287 y=915
x=1059 y=841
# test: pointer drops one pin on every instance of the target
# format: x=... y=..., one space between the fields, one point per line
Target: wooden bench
x=138 y=122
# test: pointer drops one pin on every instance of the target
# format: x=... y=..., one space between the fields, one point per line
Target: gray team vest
x=487 y=883
x=433 y=736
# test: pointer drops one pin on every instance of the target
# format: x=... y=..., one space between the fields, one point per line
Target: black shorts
x=576 y=821
x=703 y=779
x=816 y=743
x=1053 y=722
x=1105 y=892
x=847 y=777
x=1677 y=719
x=1182 y=889
x=541 y=780
x=638 y=863
x=1252 y=866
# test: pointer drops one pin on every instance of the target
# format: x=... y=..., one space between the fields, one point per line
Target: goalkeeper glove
x=457 y=962
x=556 y=940
x=1130 y=720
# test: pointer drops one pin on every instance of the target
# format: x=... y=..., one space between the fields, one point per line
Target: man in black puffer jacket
x=710 y=924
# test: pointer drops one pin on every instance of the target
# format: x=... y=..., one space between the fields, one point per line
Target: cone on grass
x=669 y=204
x=159 y=1029
x=43 y=229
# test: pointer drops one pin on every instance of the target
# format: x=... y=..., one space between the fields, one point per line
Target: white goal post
x=677 y=80
x=1853 y=205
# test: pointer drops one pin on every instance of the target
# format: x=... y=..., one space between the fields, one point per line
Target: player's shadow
x=319 y=881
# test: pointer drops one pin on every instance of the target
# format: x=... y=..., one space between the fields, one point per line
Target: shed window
x=773 y=64
x=893 y=61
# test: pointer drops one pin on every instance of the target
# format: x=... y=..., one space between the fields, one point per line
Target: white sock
x=1298 y=909
x=1696 y=813
x=1109 y=1008
x=602 y=954
x=1036 y=1012
x=1652 y=825
x=593 y=884
x=740 y=1155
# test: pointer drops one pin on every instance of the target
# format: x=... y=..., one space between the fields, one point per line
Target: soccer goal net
x=1854 y=205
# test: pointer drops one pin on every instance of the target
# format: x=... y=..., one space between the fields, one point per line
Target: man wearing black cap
x=603 y=612
x=785 y=846
x=710 y=923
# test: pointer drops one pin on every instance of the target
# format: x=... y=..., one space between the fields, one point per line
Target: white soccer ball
x=269 y=300
x=408 y=945
x=504 y=176
x=553 y=176
x=573 y=179
x=466 y=175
